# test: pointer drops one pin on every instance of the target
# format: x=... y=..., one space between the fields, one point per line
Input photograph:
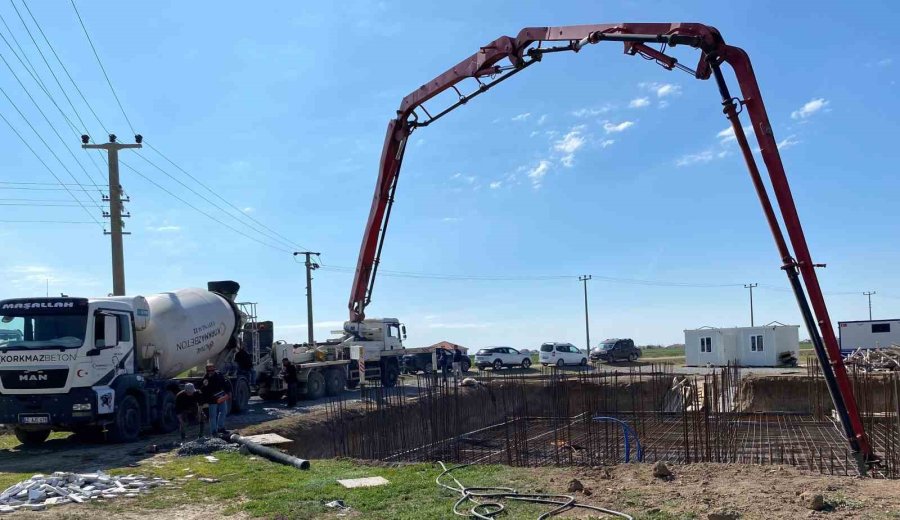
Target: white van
x=561 y=354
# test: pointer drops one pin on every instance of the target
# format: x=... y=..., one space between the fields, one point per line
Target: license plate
x=34 y=419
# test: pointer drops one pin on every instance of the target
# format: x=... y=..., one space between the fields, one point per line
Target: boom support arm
x=506 y=56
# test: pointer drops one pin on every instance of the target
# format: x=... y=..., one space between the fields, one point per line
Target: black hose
x=269 y=453
x=489 y=509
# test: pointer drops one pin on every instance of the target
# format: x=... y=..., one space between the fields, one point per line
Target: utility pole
x=751 y=286
x=587 y=326
x=310 y=266
x=115 y=206
x=869 y=295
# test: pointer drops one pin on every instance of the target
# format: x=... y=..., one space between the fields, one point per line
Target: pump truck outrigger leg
x=526 y=49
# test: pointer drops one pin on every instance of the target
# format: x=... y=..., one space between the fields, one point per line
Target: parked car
x=560 y=354
x=422 y=362
x=614 y=349
x=499 y=357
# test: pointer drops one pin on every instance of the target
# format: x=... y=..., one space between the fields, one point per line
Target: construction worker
x=244 y=362
x=215 y=394
x=187 y=408
x=289 y=373
x=457 y=363
x=445 y=362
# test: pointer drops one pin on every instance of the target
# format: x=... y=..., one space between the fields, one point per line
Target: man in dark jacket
x=244 y=362
x=187 y=408
x=215 y=393
x=289 y=373
x=457 y=363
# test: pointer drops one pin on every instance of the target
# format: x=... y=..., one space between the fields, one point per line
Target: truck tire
x=167 y=420
x=240 y=399
x=466 y=365
x=126 y=425
x=315 y=386
x=32 y=438
x=389 y=374
x=335 y=381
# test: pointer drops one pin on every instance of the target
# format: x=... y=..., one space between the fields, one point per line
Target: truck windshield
x=43 y=331
x=607 y=346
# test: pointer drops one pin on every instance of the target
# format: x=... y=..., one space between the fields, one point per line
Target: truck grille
x=31 y=379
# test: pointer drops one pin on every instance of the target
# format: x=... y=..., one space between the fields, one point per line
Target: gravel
x=61 y=487
x=205 y=446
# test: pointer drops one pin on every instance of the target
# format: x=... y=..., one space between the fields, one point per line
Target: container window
x=706 y=344
x=881 y=328
x=756 y=343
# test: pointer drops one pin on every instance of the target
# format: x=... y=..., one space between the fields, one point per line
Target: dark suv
x=612 y=350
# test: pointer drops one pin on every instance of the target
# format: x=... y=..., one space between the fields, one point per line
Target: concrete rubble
x=41 y=491
x=205 y=446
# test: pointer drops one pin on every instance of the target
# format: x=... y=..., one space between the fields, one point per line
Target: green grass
x=662 y=352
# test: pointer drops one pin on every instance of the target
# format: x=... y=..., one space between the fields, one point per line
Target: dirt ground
x=754 y=492
x=181 y=512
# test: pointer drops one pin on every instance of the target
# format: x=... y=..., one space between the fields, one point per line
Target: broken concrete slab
x=351 y=483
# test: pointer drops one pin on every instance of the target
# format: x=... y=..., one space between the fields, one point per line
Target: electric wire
x=102 y=68
x=195 y=208
x=217 y=206
x=38 y=157
x=65 y=69
x=46 y=222
x=52 y=127
x=288 y=241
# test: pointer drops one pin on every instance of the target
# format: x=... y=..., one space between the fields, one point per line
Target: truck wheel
x=315 y=386
x=167 y=421
x=389 y=375
x=31 y=438
x=126 y=425
x=240 y=399
x=335 y=381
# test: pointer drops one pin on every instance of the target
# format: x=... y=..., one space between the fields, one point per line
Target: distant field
x=662 y=352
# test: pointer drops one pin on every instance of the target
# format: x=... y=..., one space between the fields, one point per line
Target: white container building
x=744 y=346
x=868 y=334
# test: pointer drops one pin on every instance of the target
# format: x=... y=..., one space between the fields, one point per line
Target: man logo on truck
x=32 y=376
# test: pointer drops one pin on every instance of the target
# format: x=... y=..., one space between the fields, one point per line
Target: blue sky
x=596 y=163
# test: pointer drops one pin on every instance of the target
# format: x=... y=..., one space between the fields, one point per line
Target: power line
x=45 y=222
x=195 y=208
x=66 y=70
x=243 y=213
x=52 y=127
x=38 y=157
x=102 y=68
x=220 y=208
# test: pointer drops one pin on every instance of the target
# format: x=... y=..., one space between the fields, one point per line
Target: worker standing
x=290 y=379
x=445 y=363
x=457 y=363
x=215 y=394
x=244 y=362
x=187 y=408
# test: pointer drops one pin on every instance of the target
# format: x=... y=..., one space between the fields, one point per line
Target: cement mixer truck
x=80 y=364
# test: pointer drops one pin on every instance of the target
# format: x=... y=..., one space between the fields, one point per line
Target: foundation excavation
x=597 y=417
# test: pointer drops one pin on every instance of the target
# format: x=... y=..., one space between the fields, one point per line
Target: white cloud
x=788 y=142
x=249 y=209
x=570 y=142
x=522 y=117
x=534 y=133
x=607 y=142
x=34 y=279
x=727 y=135
x=695 y=158
x=541 y=120
x=469 y=179
x=496 y=184
x=809 y=108
x=165 y=229
x=591 y=112
x=661 y=89
x=638 y=102
x=450 y=219
x=537 y=173
x=616 y=128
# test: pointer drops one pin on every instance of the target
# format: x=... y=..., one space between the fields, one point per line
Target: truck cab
x=58 y=360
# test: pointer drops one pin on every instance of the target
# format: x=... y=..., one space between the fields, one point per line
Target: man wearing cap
x=187 y=407
x=215 y=393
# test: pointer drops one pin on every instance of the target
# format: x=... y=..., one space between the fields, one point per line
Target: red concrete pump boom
x=488 y=68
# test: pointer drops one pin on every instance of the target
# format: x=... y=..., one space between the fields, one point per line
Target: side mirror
x=403 y=330
x=110 y=331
